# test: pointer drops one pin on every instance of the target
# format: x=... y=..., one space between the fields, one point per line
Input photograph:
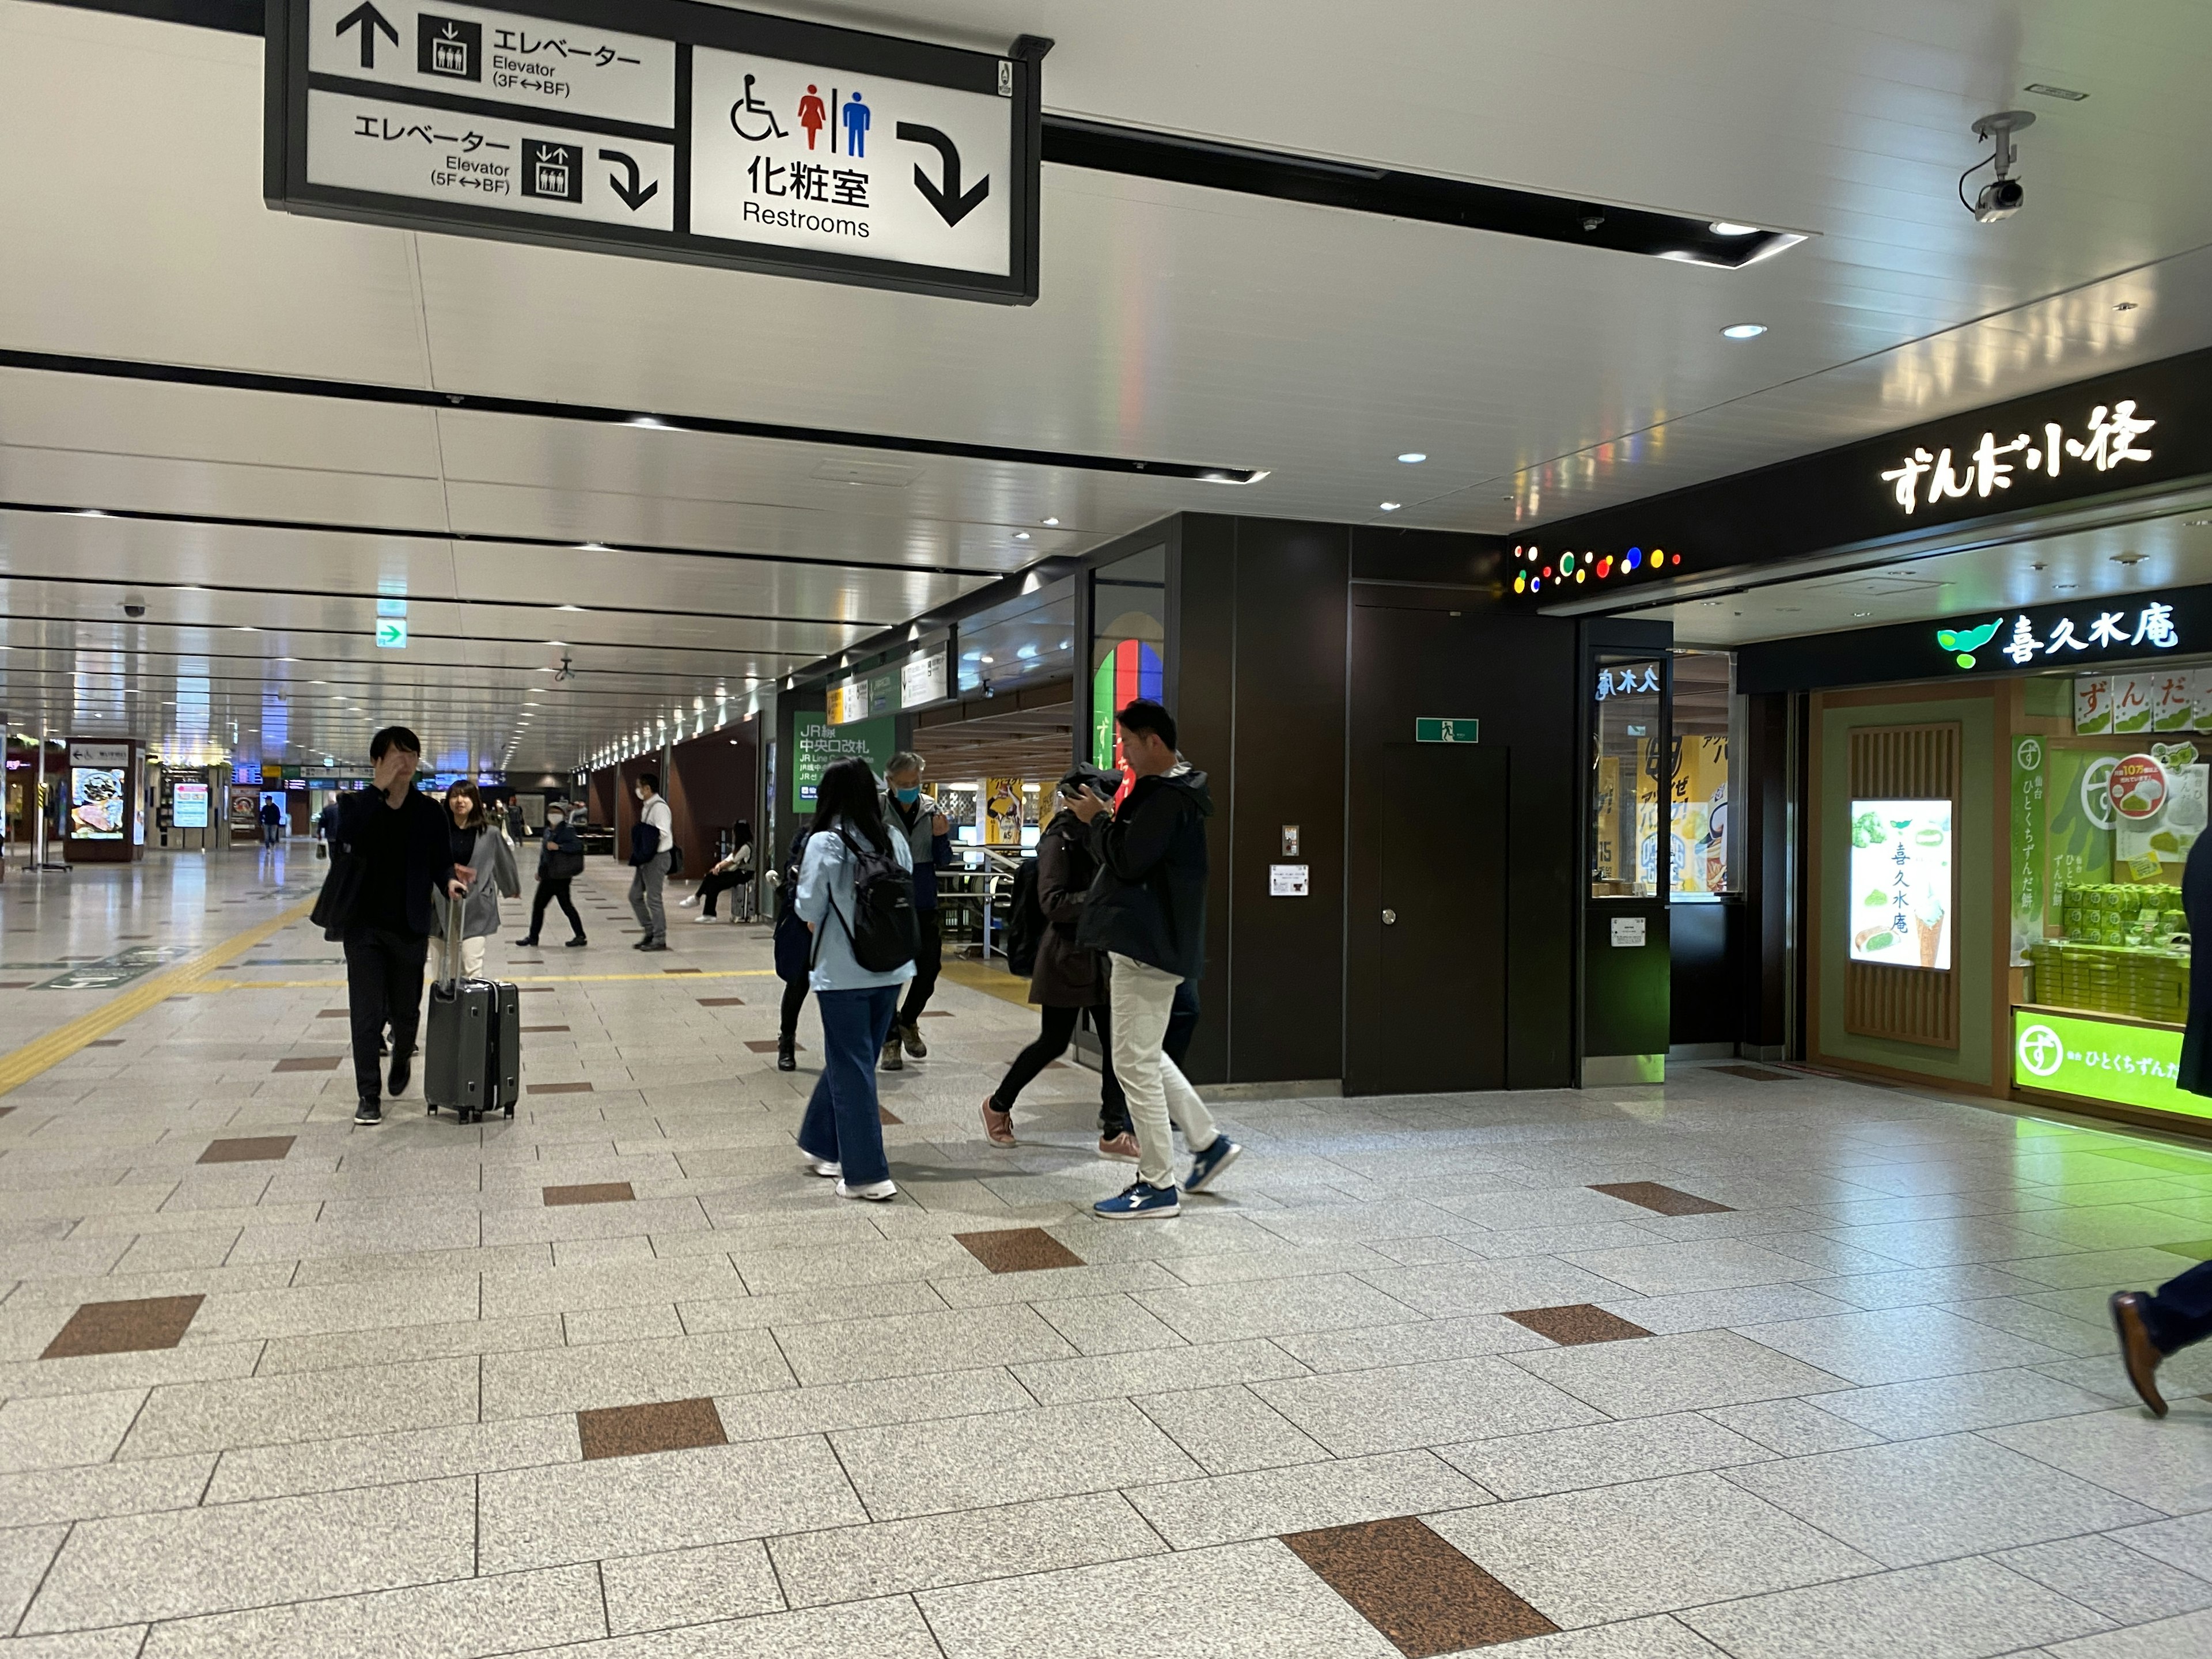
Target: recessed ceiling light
x=647 y=420
x=1862 y=613
x=1413 y=457
x=1743 y=331
x=1389 y=506
x=568 y=607
x=1730 y=227
x=2050 y=91
x=1021 y=534
x=1051 y=521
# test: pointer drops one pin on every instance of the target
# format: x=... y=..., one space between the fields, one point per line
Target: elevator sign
x=667 y=129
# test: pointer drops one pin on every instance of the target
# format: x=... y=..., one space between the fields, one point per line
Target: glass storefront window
x=1700 y=838
x=1128 y=642
x=1627 y=857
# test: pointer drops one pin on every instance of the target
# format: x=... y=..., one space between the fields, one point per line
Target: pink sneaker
x=998 y=1126
x=1122 y=1146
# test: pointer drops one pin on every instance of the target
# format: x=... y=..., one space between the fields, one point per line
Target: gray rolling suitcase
x=472 y=1052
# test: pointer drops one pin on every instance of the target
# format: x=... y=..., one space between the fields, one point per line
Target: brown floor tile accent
x=721 y=1002
x=247 y=1149
x=1754 y=1073
x=15 y=984
x=105 y=1042
x=153 y=1322
x=591 y=1192
x=331 y=1013
x=1666 y=1200
x=134 y=936
x=5 y=1111
x=544 y=1028
x=887 y=1114
x=935 y=1013
x=1576 y=1323
x=1416 y=1589
x=309 y=1063
x=557 y=1087
x=766 y=1046
x=1017 y=1249
x=526 y=990
x=630 y=1431
x=682 y=970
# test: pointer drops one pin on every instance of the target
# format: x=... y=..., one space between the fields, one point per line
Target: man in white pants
x=1146 y=910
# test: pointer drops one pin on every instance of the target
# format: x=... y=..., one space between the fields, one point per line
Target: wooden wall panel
x=1911 y=1004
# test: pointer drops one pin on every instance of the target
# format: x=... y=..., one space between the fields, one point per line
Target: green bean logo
x=1962 y=646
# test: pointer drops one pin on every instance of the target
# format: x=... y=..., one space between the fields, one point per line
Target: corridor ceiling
x=673 y=570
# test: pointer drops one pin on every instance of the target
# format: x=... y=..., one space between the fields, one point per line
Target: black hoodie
x=1148 y=900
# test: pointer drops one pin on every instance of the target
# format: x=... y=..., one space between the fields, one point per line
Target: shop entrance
x=1441 y=928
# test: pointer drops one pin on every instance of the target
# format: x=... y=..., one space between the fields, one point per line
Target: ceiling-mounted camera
x=134 y=605
x=2004 y=195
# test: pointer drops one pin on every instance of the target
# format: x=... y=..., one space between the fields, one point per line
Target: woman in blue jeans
x=842 y=1134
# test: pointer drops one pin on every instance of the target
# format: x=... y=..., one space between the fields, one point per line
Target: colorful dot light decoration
x=1533 y=570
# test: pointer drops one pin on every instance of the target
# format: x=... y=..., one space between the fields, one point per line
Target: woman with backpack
x=1067 y=979
x=560 y=862
x=856 y=894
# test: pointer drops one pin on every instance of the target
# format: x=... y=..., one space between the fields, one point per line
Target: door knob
x=1389 y=918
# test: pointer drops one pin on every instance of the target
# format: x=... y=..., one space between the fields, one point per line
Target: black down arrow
x=951 y=206
x=628 y=189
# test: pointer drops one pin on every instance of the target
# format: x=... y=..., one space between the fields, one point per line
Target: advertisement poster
x=1901 y=882
x=189 y=806
x=96 y=803
x=2028 y=845
x=2126 y=1064
x=1002 y=812
x=245 y=814
x=815 y=744
x=2147 y=840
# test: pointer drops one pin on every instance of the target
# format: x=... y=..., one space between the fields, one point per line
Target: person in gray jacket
x=919 y=821
x=490 y=863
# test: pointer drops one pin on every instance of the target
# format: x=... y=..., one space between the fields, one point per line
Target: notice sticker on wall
x=1286 y=881
x=1628 y=932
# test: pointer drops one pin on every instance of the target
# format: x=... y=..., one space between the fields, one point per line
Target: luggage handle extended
x=452 y=945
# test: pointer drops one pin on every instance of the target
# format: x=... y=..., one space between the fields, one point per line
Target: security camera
x=2004 y=195
x=134 y=605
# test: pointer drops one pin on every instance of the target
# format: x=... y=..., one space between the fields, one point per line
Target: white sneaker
x=876 y=1191
x=823 y=1166
x=703 y=916
x=689 y=902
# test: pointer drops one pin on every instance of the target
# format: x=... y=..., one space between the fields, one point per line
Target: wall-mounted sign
x=1288 y=881
x=2131 y=629
x=189 y=806
x=1901 y=882
x=391 y=633
x=815 y=744
x=923 y=678
x=2111 y=438
x=666 y=129
x=100 y=754
x=847 y=702
x=2137 y=786
x=1447 y=731
x=1627 y=932
x=2123 y=1063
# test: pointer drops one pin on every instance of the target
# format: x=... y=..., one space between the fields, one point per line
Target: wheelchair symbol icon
x=750 y=105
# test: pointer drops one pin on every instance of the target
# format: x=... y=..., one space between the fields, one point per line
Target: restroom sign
x=667 y=129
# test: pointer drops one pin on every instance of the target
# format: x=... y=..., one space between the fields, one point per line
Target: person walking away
x=842 y=1133
x=795 y=944
x=1067 y=978
x=517 y=827
x=479 y=847
x=734 y=871
x=650 y=838
x=1146 y=911
x=405 y=871
x=560 y=862
x=326 y=826
x=271 y=816
x=2155 y=1326
x=928 y=834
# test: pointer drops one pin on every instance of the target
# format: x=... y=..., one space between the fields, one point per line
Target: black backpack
x=1025 y=921
x=883 y=929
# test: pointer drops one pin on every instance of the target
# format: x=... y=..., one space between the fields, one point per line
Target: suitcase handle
x=453 y=944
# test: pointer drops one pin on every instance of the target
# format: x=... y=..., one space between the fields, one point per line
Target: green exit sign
x=390 y=634
x=1447 y=731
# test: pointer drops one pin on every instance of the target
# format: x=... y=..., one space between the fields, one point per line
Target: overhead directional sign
x=664 y=128
x=391 y=633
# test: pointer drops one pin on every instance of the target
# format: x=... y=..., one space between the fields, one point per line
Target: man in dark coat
x=2179 y=1312
x=1067 y=978
x=1146 y=912
x=399 y=837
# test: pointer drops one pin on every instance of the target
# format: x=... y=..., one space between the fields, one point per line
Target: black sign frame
x=285 y=186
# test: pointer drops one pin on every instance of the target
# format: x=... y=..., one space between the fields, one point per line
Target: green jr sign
x=2126 y=1064
x=1447 y=731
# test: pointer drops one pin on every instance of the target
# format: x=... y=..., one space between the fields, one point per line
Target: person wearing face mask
x=650 y=838
x=927 y=832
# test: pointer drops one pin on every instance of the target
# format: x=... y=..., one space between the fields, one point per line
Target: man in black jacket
x=1146 y=910
x=399 y=835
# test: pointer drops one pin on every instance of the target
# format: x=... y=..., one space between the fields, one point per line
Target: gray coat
x=1066 y=974
x=493 y=863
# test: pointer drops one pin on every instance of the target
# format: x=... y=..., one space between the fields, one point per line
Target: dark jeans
x=842 y=1120
x=794 y=998
x=928 y=962
x=548 y=892
x=1057 y=1032
x=2179 y=1312
x=384 y=982
x=712 y=886
x=1182 y=1021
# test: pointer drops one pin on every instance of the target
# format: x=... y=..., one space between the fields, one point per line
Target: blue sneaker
x=1205 y=1165
x=1142 y=1198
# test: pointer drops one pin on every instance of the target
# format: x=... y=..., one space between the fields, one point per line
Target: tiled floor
x=1736 y=1366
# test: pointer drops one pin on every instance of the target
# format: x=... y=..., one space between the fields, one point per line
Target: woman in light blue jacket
x=842 y=1134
